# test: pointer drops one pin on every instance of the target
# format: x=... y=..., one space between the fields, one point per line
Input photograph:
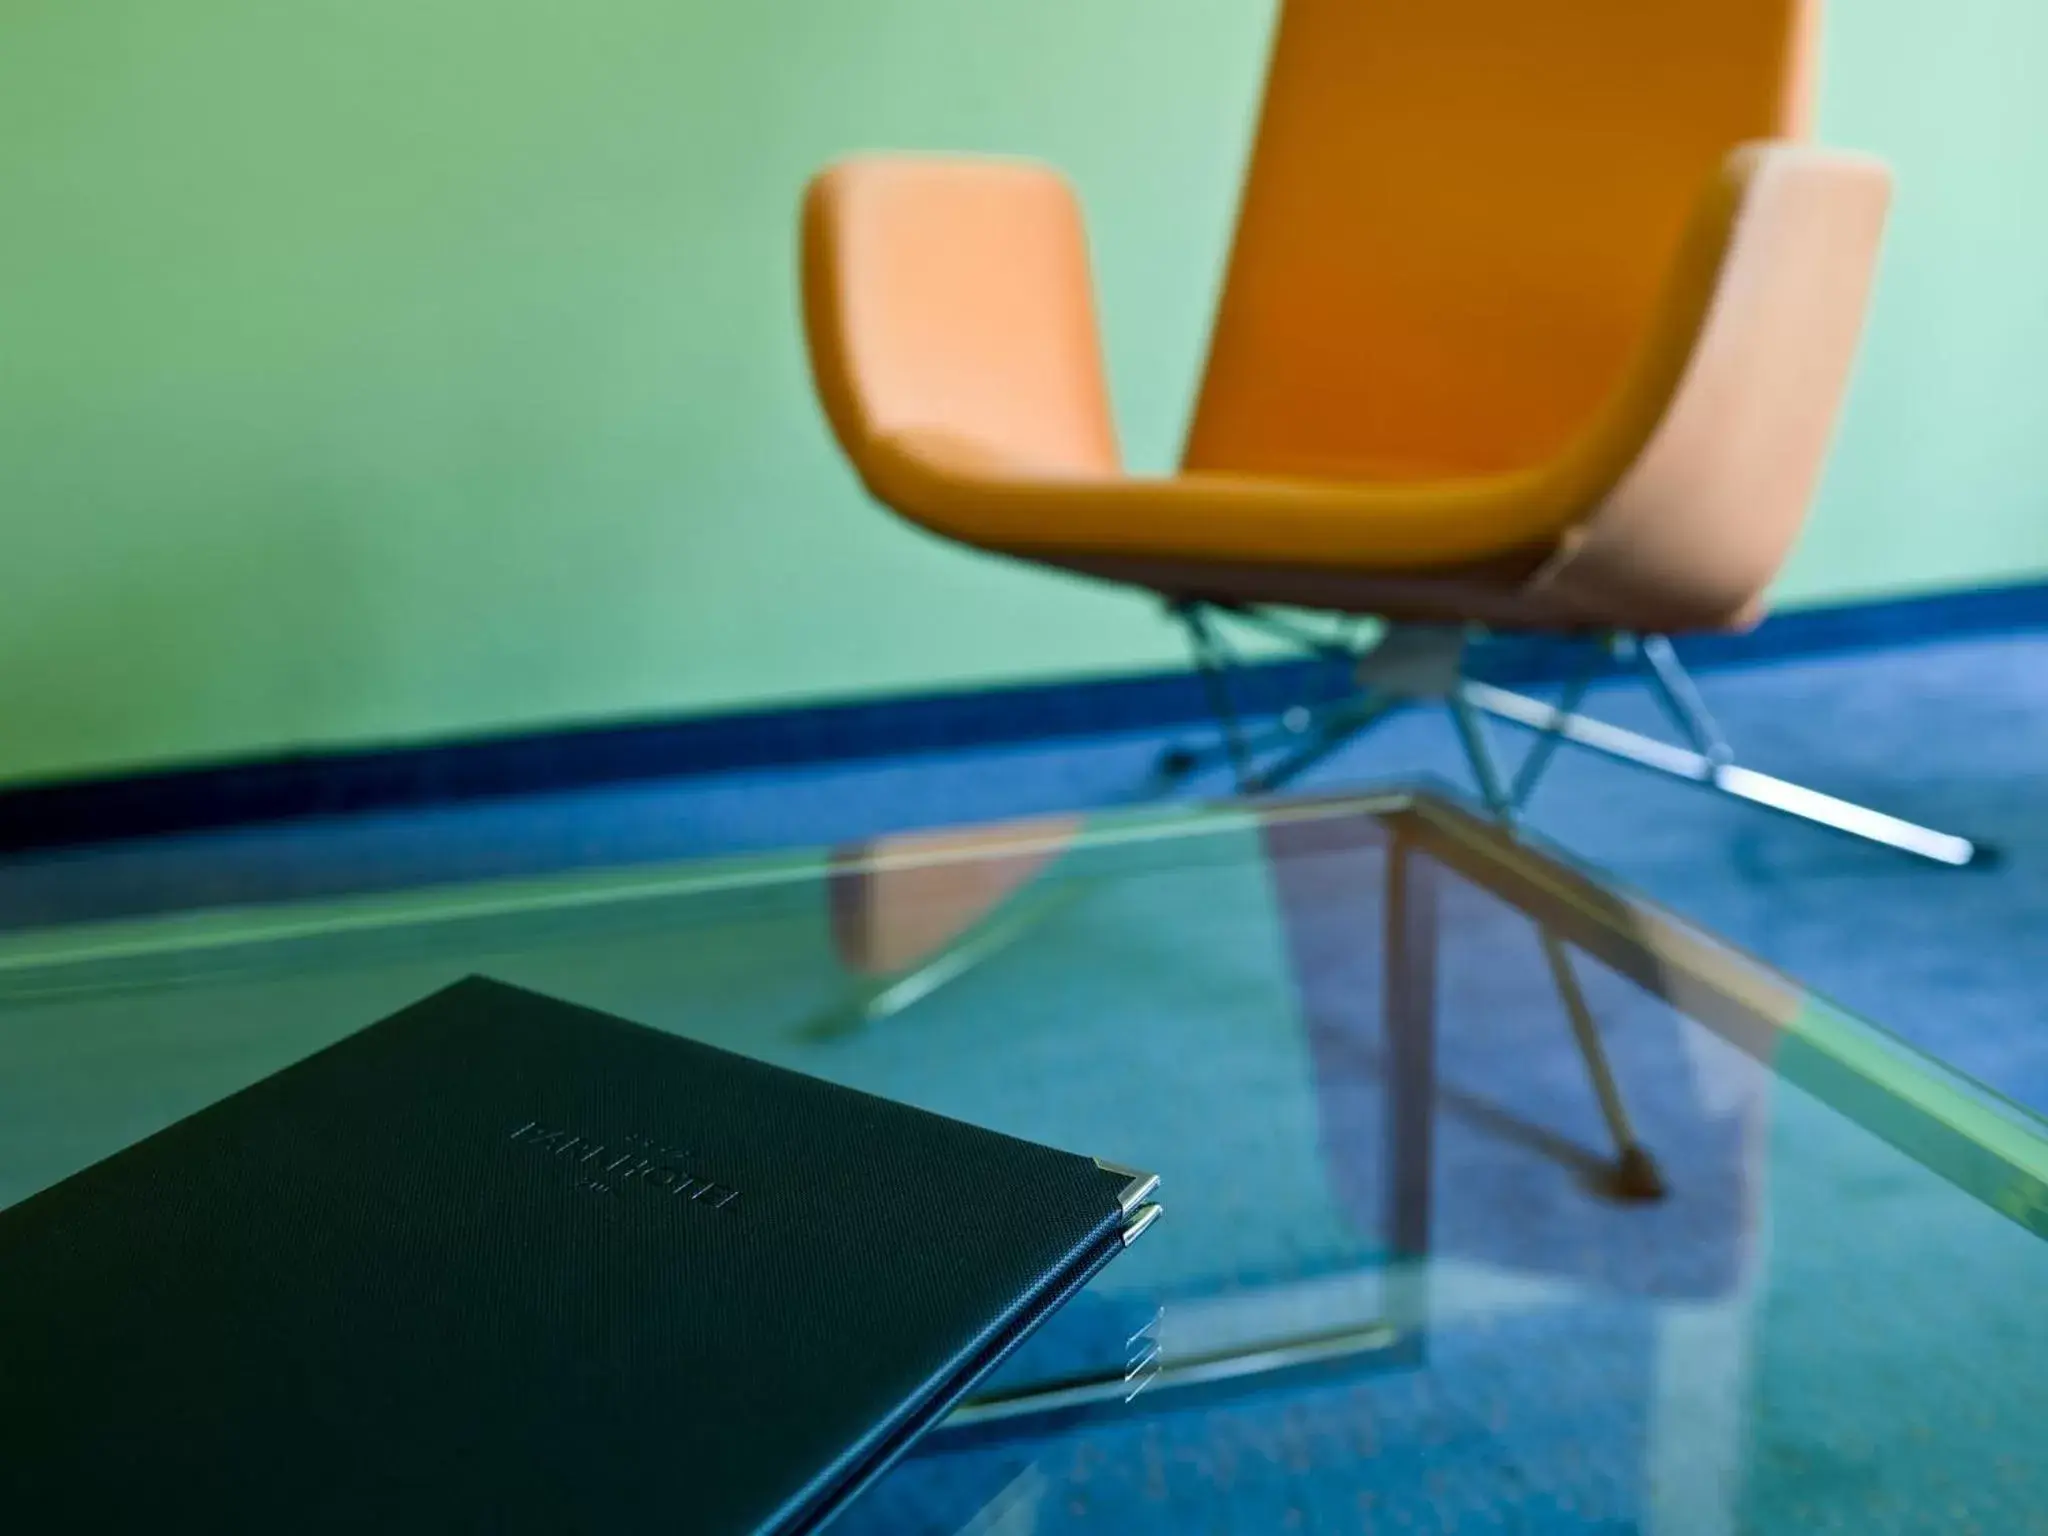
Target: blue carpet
x=1491 y=1436
x=1953 y=734
x=1430 y=1450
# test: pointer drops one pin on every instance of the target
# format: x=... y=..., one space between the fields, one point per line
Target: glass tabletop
x=1497 y=1198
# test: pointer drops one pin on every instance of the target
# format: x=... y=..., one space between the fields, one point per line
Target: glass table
x=1390 y=1063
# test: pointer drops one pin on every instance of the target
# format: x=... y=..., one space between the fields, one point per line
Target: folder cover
x=501 y=1263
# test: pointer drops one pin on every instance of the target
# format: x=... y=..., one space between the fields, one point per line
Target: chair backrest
x=1459 y=214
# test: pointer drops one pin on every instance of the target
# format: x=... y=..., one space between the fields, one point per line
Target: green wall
x=382 y=370
x=1940 y=475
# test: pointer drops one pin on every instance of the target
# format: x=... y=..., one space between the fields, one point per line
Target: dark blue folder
x=501 y=1263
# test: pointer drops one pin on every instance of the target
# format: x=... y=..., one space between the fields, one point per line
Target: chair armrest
x=1733 y=401
x=952 y=296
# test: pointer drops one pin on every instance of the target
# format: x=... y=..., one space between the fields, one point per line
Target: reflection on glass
x=1396 y=1285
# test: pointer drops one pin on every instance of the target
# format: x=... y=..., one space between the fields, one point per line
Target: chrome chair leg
x=1289 y=732
x=1725 y=777
x=1413 y=662
x=1493 y=788
x=1634 y=1174
x=1325 y=733
x=1214 y=660
x=1545 y=746
x=1301 y=737
x=1681 y=699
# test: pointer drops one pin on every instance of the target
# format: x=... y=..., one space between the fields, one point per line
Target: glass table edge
x=1987 y=1144
x=25 y=952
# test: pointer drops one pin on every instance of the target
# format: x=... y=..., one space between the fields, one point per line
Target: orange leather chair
x=1538 y=318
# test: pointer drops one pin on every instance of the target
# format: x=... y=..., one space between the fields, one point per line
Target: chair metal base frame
x=1409 y=664
x=1402 y=665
